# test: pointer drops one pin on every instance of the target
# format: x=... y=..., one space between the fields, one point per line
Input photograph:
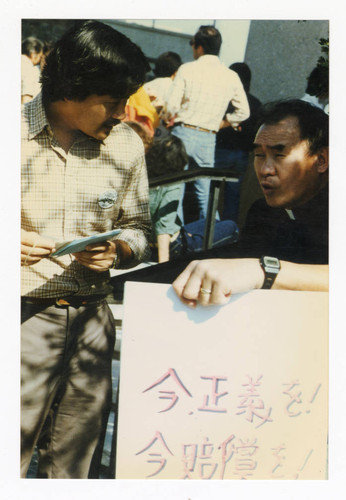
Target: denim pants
x=66 y=356
x=238 y=160
x=191 y=236
x=200 y=146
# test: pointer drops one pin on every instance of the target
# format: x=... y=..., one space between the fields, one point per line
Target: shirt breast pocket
x=105 y=213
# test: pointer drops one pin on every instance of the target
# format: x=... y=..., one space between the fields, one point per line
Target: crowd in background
x=100 y=127
x=178 y=227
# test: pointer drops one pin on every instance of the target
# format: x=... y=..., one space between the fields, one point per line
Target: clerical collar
x=290 y=214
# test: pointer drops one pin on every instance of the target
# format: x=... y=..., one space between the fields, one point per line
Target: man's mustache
x=112 y=123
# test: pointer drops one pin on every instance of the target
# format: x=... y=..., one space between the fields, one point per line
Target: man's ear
x=323 y=160
x=200 y=51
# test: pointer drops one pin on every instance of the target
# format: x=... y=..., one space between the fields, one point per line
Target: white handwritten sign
x=232 y=392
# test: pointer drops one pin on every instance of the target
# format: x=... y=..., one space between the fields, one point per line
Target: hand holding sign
x=211 y=282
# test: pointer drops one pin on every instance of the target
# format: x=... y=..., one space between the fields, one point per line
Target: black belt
x=64 y=302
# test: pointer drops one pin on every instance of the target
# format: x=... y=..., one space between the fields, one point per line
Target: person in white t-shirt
x=317 y=90
x=166 y=66
x=32 y=51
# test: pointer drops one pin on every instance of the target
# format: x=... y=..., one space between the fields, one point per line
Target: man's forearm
x=137 y=241
x=163 y=241
x=305 y=277
x=221 y=278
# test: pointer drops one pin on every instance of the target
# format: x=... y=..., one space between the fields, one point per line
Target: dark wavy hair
x=313 y=121
x=244 y=73
x=31 y=45
x=93 y=58
x=167 y=64
x=318 y=82
x=166 y=155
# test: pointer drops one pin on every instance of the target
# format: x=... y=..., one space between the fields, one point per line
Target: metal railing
x=216 y=176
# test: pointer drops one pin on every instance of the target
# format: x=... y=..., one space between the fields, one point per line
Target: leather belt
x=199 y=128
x=64 y=302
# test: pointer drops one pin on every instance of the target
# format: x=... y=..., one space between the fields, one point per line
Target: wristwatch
x=271 y=267
x=116 y=262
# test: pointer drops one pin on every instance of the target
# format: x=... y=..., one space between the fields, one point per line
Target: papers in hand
x=80 y=244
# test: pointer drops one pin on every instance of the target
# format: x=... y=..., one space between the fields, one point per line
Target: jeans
x=200 y=146
x=238 y=160
x=66 y=356
x=191 y=236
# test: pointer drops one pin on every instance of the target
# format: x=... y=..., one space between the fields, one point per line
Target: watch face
x=270 y=261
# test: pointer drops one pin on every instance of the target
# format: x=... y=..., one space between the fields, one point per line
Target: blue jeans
x=237 y=159
x=191 y=235
x=200 y=146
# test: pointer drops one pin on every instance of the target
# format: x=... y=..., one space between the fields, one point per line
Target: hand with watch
x=213 y=281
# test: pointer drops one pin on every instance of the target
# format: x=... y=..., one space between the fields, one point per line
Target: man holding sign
x=83 y=173
x=284 y=243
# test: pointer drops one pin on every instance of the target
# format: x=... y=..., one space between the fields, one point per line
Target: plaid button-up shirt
x=95 y=187
x=201 y=92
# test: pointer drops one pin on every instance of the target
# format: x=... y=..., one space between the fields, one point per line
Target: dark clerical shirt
x=300 y=235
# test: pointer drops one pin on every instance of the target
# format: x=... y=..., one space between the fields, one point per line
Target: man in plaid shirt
x=83 y=172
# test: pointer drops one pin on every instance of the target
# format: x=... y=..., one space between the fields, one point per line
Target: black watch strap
x=116 y=262
x=271 y=267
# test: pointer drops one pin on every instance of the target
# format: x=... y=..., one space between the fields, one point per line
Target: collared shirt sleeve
x=30 y=78
x=239 y=102
x=164 y=203
x=135 y=219
x=176 y=94
x=95 y=187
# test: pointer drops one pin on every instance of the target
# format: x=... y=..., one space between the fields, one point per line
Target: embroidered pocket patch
x=108 y=198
